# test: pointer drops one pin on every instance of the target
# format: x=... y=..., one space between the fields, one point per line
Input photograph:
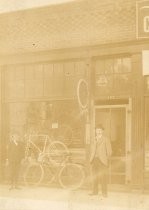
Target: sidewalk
x=60 y=199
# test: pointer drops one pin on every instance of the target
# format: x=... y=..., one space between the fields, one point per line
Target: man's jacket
x=103 y=152
x=15 y=152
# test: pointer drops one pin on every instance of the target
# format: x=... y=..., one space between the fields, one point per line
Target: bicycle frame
x=60 y=172
x=55 y=172
x=55 y=169
x=32 y=144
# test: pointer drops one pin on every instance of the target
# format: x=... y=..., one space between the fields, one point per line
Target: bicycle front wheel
x=58 y=152
x=71 y=176
x=33 y=174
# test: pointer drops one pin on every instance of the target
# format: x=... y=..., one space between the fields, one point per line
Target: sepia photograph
x=74 y=104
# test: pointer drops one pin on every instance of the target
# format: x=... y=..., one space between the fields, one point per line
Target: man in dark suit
x=15 y=156
x=100 y=153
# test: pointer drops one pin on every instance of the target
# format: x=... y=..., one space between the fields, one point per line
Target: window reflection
x=117 y=72
x=118 y=65
x=109 y=66
x=126 y=65
x=99 y=67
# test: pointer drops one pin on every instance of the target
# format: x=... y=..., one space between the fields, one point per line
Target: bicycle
x=39 y=145
x=69 y=175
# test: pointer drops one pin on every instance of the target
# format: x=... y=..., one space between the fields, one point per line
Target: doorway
x=116 y=120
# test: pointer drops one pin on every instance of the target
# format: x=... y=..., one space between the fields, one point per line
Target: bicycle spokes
x=71 y=176
x=57 y=152
x=34 y=174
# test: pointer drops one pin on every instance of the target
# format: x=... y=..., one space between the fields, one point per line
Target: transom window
x=113 y=74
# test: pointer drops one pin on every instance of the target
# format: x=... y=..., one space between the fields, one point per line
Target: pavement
x=44 y=198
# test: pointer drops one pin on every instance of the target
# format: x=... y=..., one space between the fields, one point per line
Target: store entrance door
x=117 y=124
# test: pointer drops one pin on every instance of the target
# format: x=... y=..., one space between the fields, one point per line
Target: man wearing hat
x=15 y=155
x=100 y=153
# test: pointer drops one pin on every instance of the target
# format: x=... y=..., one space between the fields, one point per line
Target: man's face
x=99 y=131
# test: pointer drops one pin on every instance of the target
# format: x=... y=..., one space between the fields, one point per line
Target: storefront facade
x=39 y=91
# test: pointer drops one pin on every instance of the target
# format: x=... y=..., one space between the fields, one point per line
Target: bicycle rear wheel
x=33 y=174
x=57 y=152
x=71 y=176
x=49 y=174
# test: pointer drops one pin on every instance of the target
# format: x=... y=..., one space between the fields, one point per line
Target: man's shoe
x=91 y=194
x=18 y=188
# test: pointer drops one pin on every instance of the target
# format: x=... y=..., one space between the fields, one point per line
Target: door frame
x=128 y=110
x=145 y=151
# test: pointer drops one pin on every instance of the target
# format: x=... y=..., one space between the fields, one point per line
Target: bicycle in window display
x=53 y=163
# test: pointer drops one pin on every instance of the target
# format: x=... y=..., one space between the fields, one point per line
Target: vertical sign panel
x=142 y=8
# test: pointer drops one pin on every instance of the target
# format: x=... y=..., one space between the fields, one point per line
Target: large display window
x=60 y=119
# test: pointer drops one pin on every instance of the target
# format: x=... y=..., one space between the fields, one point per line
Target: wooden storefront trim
x=78 y=53
x=137 y=122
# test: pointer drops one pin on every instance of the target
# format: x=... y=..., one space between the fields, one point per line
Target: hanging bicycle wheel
x=71 y=176
x=82 y=93
x=33 y=174
x=57 y=152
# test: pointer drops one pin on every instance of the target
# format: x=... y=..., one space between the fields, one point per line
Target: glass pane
x=68 y=79
x=48 y=80
x=38 y=72
x=109 y=66
x=80 y=68
x=29 y=72
x=104 y=83
x=58 y=79
x=118 y=127
x=123 y=82
x=103 y=117
x=99 y=67
x=118 y=65
x=126 y=62
x=9 y=74
x=69 y=69
x=19 y=72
